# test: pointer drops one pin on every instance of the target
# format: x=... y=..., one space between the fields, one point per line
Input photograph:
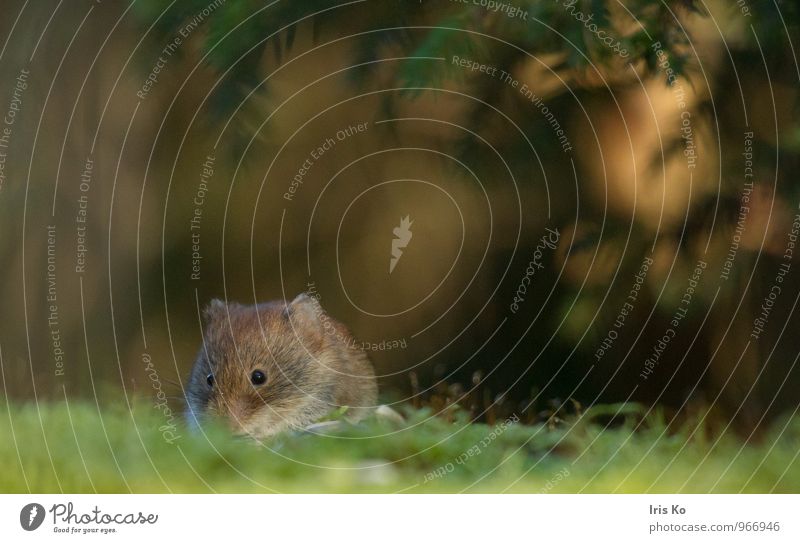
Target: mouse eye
x=258 y=377
x=210 y=379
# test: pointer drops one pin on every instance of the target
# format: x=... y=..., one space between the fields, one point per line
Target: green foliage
x=81 y=447
x=239 y=34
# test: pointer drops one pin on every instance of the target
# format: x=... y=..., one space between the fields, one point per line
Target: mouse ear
x=305 y=308
x=214 y=310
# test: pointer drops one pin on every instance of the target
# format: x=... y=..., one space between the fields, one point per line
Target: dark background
x=475 y=164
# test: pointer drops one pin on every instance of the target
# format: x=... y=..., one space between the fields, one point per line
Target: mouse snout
x=236 y=413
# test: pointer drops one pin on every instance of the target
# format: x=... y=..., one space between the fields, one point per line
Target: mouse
x=267 y=368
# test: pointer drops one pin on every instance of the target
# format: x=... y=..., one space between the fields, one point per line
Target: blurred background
x=602 y=196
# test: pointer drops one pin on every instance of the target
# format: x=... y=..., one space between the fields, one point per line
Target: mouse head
x=260 y=367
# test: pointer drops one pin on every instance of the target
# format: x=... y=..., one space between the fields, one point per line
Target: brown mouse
x=275 y=366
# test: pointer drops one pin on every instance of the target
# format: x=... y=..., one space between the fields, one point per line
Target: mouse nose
x=237 y=416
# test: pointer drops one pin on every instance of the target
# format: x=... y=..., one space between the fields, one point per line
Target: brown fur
x=310 y=360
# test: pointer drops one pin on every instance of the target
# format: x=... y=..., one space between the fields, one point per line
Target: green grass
x=52 y=448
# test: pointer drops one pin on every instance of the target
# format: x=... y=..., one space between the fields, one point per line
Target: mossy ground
x=86 y=447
